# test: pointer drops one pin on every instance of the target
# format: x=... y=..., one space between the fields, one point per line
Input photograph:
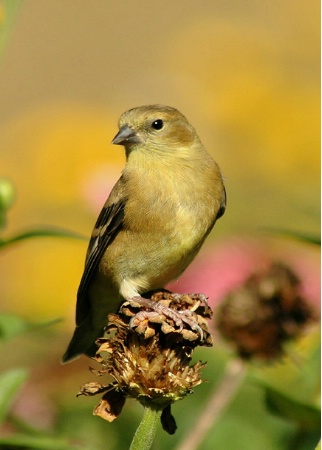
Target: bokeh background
x=246 y=74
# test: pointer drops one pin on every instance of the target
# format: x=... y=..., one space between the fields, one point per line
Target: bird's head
x=154 y=128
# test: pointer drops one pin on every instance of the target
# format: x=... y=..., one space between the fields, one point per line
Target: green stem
x=40 y=232
x=144 y=435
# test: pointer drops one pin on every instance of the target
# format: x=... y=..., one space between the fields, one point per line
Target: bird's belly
x=144 y=261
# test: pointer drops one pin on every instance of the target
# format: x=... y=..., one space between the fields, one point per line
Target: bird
x=154 y=222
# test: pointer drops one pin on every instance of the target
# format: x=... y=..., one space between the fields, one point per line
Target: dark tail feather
x=82 y=342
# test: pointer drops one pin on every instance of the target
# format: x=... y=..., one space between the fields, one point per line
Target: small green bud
x=7 y=193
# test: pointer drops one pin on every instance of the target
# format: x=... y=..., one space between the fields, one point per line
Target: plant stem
x=144 y=435
x=219 y=400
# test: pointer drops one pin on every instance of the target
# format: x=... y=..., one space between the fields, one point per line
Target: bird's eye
x=157 y=124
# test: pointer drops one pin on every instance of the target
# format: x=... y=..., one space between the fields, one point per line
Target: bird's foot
x=175 y=313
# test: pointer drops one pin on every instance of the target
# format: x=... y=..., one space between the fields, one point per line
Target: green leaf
x=41 y=232
x=292 y=384
x=10 y=383
x=36 y=442
x=301 y=236
x=11 y=326
x=253 y=426
x=309 y=238
x=306 y=415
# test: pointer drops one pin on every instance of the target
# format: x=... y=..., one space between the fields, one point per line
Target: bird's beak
x=126 y=135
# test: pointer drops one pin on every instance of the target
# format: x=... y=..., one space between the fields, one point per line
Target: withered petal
x=91 y=388
x=168 y=421
x=111 y=405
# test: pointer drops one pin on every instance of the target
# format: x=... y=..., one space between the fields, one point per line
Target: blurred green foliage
x=8 y=11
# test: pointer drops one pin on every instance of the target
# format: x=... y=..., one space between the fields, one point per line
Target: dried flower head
x=264 y=312
x=148 y=354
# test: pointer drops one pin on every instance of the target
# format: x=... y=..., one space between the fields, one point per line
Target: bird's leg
x=153 y=310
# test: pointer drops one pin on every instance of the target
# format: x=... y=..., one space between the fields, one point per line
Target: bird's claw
x=156 y=311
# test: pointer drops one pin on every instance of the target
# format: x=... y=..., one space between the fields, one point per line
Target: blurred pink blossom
x=98 y=185
x=222 y=267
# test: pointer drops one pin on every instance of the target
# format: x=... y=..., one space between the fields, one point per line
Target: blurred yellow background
x=246 y=74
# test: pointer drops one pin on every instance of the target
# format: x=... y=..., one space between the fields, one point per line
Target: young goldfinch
x=154 y=222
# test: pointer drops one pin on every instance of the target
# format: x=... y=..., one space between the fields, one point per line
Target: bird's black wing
x=108 y=224
x=222 y=207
